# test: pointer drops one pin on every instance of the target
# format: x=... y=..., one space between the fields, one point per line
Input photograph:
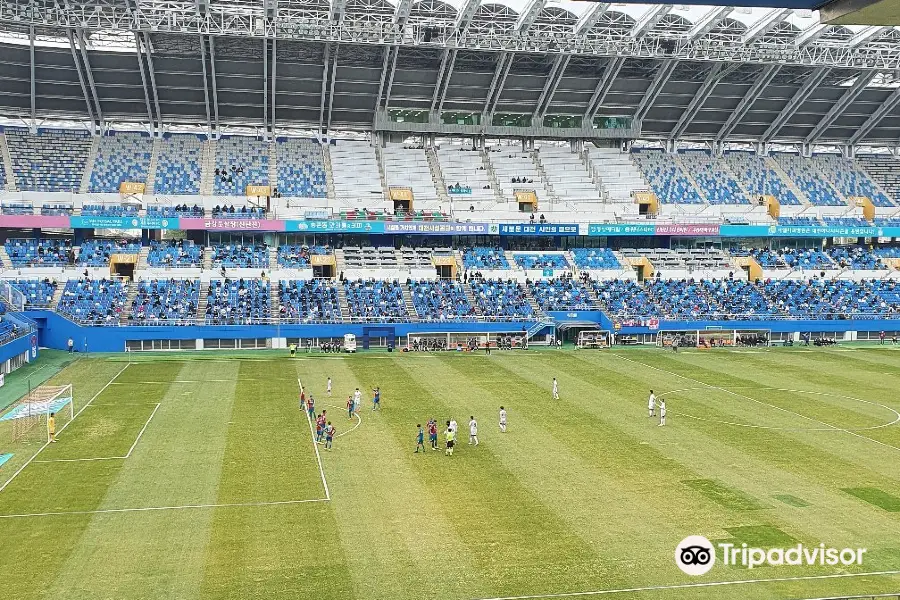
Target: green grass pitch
x=220 y=493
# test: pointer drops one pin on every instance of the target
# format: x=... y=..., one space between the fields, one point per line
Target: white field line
x=358 y=420
x=686 y=586
x=312 y=435
x=61 y=429
x=721 y=389
x=162 y=508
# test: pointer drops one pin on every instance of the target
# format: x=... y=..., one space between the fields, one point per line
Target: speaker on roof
x=667 y=46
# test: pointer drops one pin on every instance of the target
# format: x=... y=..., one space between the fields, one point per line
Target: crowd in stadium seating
x=96 y=253
x=376 y=299
x=172 y=212
x=856 y=258
x=40 y=252
x=179 y=253
x=295 y=256
x=541 y=261
x=93 y=301
x=500 y=299
x=241 y=255
x=38 y=292
x=485 y=258
x=165 y=301
x=312 y=301
x=442 y=300
x=237 y=302
x=61 y=210
x=244 y=212
x=560 y=293
x=595 y=258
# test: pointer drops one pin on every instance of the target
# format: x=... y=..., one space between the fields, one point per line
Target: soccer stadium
x=463 y=299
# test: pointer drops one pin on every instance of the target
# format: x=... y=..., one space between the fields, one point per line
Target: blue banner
x=335 y=226
x=436 y=228
x=123 y=223
x=621 y=229
x=538 y=229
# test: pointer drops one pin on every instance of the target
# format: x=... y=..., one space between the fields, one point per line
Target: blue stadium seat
x=165 y=302
x=440 y=300
x=121 y=156
x=312 y=301
x=376 y=300
x=93 y=301
x=237 y=302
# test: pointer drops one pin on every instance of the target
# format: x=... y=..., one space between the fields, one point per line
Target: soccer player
x=473 y=431
x=329 y=435
x=311 y=407
x=662 y=413
x=320 y=428
x=651 y=404
x=376 y=399
x=555 y=389
x=293 y=349
x=349 y=407
x=51 y=426
x=420 y=439
x=449 y=435
x=357 y=399
x=452 y=425
x=502 y=420
x=302 y=399
x=432 y=434
x=328 y=388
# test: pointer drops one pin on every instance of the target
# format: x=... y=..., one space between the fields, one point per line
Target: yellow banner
x=444 y=261
x=131 y=187
x=258 y=191
x=401 y=193
x=321 y=260
x=526 y=196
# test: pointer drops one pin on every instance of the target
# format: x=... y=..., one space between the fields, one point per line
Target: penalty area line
x=686 y=586
x=312 y=435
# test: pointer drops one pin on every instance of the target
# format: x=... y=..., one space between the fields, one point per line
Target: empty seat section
x=408 y=167
x=465 y=167
x=714 y=178
x=667 y=179
x=567 y=175
x=354 y=167
x=121 y=156
x=805 y=176
x=759 y=178
x=53 y=160
x=301 y=168
x=241 y=161
x=178 y=165
x=850 y=179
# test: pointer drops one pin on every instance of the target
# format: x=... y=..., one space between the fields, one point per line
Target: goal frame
x=35 y=407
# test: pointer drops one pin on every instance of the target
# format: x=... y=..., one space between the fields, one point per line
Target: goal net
x=27 y=421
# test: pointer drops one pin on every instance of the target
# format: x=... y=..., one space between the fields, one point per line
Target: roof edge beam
x=529 y=15
x=648 y=20
x=880 y=113
x=706 y=89
x=841 y=105
x=590 y=17
x=708 y=22
x=734 y=119
x=764 y=25
x=810 y=34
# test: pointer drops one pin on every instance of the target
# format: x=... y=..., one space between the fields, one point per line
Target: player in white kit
x=328 y=388
x=454 y=426
x=662 y=413
x=651 y=404
x=357 y=399
x=555 y=389
x=502 y=420
x=473 y=431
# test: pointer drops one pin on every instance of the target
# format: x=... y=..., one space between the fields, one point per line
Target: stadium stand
x=174 y=254
x=441 y=300
x=668 y=180
x=465 y=167
x=541 y=261
x=51 y=161
x=624 y=299
x=237 y=302
x=57 y=209
x=241 y=255
x=509 y=165
x=178 y=165
x=856 y=258
x=241 y=161
x=241 y=212
x=109 y=210
x=595 y=258
x=714 y=179
x=354 y=166
x=171 y=212
x=684 y=299
x=121 y=156
x=560 y=293
x=884 y=170
x=295 y=256
x=806 y=177
x=850 y=179
x=313 y=301
x=500 y=299
x=567 y=175
x=845 y=221
x=889 y=252
x=484 y=258
x=301 y=168
x=800 y=221
x=165 y=301
x=38 y=292
x=618 y=175
x=759 y=178
x=96 y=253
x=408 y=167
x=681 y=258
x=43 y=252
x=371 y=299
x=17 y=208
x=93 y=301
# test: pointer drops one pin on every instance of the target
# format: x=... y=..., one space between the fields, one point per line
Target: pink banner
x=231 y=224
x=35 y=221
x=672 y=229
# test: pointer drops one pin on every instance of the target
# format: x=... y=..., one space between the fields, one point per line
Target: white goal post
x=28 y=418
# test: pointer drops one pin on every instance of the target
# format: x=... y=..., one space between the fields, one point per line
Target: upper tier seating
x=46 y=253
x=806 y=177
x=121 y=156
x=17 y=208
x=856 y=258
x=237 y=212
x=619 y=175
x=541 y=261
x=885 y=170
x=625 y=298
x=241 y=161
x=51 y=161
x=178 y=165
x=301 y=168
x=108 y=210
x=849 y=179
x=682 y=300
x=759 y=178
x=714 y=179
x=38 y=292
x=313 y=301
x=481 y=258
x=354 y=166
x=800 y=221
x=241 y=256
x=441 y=300
x=296 y=256
x=463 y=166
x=682 y=258
x=165 y=302
x=595 y=258
x=408 y=167
x=93 y=301
x=500 y=299
x=57 y=209
x=510 y=164
x=174 y=254
x=371 y=299
x=887 y=222
x=567 y=175
x=172 y=212
x=792 y=258
x=668 y=180
x=888 y=252
x=560 y=293
x=845 y=222
x=96 y=253
x=237 y=302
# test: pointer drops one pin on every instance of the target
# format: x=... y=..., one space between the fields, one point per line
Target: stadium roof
x=684 y=72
